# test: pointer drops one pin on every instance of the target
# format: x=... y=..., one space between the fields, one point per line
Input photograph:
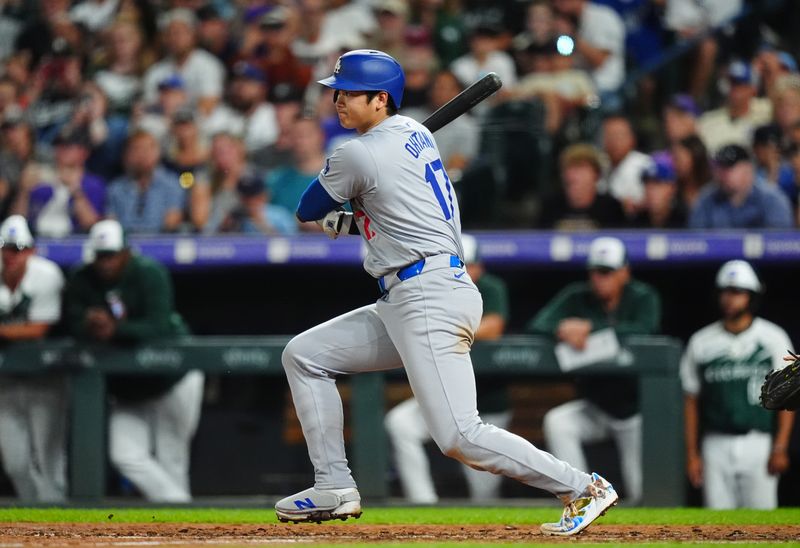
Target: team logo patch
x=338 y=68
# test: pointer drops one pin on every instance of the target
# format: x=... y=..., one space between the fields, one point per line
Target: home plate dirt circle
x=175 y=534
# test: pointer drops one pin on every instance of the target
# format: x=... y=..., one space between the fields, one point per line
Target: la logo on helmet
x=338 y=68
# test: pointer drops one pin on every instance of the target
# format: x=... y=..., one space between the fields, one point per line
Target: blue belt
x=414 y=269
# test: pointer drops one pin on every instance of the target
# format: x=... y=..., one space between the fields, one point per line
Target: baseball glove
x=781 y=388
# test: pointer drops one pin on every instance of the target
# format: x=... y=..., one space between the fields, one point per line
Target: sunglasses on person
x=13 y=247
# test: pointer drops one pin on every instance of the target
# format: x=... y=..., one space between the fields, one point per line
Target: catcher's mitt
x=781 y=388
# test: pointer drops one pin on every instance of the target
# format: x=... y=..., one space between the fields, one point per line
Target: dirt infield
x=119 y=534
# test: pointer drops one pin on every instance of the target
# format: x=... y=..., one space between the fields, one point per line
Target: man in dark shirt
x=608 y=405
x=579 y=205
x=125 y=299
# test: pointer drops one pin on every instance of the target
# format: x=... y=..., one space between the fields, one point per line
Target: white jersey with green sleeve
x=402 y=199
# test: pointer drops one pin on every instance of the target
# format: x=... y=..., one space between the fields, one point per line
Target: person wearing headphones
x=742 y=448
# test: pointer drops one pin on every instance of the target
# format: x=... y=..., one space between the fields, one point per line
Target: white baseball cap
x=738 y=274
x=106 y=236
x=14 y=231
x=470 y=246
x=607 y=252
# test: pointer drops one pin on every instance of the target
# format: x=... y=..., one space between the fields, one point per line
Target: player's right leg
x=351 y=343
x=719 y=474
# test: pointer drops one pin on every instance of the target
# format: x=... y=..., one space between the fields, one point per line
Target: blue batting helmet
x=368 y=70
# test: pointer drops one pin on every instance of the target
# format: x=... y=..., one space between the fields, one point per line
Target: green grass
x=511 y=516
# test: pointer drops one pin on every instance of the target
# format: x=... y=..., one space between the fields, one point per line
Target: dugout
x=245 y=286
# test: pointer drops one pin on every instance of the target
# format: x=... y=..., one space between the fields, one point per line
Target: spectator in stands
x=623 y=178
x=156 y=118
x=772 y=65
x=580 y=205
x=287 y=184
x=392 y=19
x=286 y=74
x=186 y=150
x=554 y=80
x=691 y=19
x=279 y=153
x=791 y=186
x=786 y=108
x=444 y=22
x=148 y=198
x=213 y=200
x=65 y=198
x=457 y=141
x=736 y=199
x=770 y=166
x=539 y=29
x=248 y=113
x=120 y=77
x=662 y=206
x=420 y=66
x=406 y=425
x=742 y=113
x=692 y=168
x=18 y=156
x=680 y=118
x=598 y=35
x=329 y=27
x=203 y=73
x=33 y=408
x=122 y=299
x=254 y=214
x=735 y=449
x=216 y=35
x=607 y=405
x=485 y=55
x=55 y=92
x=39 y=37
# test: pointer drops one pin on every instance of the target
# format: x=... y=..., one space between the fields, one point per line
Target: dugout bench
x=653 y=359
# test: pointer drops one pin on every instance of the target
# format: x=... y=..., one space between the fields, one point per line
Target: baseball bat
x=462 y=102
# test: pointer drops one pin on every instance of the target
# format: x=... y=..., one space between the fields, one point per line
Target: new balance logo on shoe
x=303 y=504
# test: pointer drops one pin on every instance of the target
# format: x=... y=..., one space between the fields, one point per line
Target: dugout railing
x=654 y=360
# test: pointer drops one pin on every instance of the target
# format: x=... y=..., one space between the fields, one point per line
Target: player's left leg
x=757 y=487
x=485 y=486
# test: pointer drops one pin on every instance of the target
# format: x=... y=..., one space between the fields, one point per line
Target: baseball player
x=405 y=209
x=738 y=459
x=32 y=408
x=121 y=299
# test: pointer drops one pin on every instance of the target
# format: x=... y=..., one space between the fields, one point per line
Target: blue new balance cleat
x=582 y=511
x=320 y=505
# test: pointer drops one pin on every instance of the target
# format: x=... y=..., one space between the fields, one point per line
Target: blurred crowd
x=203 y=115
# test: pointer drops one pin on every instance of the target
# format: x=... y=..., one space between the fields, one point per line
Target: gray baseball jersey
x=425 y=321
x=403 y=201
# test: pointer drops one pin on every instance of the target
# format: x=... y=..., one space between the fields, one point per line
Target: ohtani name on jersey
x=417 y=143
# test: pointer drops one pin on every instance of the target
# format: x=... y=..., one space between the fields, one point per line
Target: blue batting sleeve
x=315 y=203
